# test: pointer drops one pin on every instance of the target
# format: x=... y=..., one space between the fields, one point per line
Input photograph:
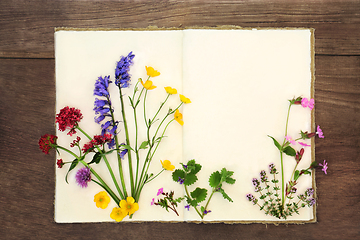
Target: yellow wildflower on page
x=167 y=165
x=129 y=205
x=184 y=99
x=170 y=90
x=178 y=117
x=102 y=200
x=150 y=71
x=148 y=85
x=118 y=214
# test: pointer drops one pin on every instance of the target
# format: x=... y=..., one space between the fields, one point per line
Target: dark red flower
x=88 y=147
x=47 y=142
x=60 y=163
x=101 y=139
x=68 y=118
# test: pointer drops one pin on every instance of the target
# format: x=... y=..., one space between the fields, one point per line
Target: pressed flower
x=47 y=142
x=324 y=166
x=319 y=132
x=83 y=176
x=60 y=163
x=148 y=85
x=307 y=103
x=304 y=144
x=178 y=117
x=102 y=200
x=118 y=214
x=167 y=165
x=129 y=205
x=170 y=90
x=150 y=71
x=68 y=118
x=122 y=76
x=290 y=140
x=184 y=99
x=160 y=191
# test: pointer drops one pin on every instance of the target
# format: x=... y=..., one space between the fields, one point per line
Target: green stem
x=281 y=157
x=188 y=195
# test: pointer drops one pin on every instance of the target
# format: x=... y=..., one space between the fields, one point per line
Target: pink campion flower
x=307 y=103
x=289 y=139
x=319 y=132
x=304 y=144
x=160 y=191
x=324 y=166
x=153 y=201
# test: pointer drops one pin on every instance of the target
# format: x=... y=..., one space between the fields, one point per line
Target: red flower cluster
x=60 y=163
x=68 y=118
x=75 y=142
x=47 y=142
x=97 y=141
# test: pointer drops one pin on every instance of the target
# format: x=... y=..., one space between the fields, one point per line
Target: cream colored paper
x=238 y=82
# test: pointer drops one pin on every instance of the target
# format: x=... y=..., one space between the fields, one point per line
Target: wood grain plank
x=27 y=175
x=27 y=27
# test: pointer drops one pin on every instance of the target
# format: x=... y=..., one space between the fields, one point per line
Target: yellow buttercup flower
x=118 y=214
x=102 y=200
x=184 y=99
x=167 y=165
x=148 y=85
x=129 y=206
x=171 y=90
x=150 y=71
x=178 y=117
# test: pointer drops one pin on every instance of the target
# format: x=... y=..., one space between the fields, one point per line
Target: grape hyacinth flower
x=122 y=76
x=83 y=176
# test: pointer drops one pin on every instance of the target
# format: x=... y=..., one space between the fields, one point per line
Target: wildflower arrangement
x=186 y=176
x=276 y=199
x=112 y=140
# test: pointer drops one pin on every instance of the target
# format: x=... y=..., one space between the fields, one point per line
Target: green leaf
x=72 y=166
x=193 y=167
x=144 y=145
x=199 y=194
x=191 y=202
x=178 y=173
x=190 y=179
x=215 y=179
x=96 y=158
x=296 y=175
x=202 y=209
x=275 y=142
x=131 y=101
x=225 y=195
x=307 y=172
x=126 y=147
x=289 y=151
x=226 y=176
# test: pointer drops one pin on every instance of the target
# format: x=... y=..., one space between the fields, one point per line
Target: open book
x=239 y=82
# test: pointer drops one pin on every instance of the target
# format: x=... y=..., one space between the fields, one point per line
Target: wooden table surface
x=27 y=103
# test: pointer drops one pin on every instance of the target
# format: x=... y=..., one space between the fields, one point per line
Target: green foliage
x=72 y=166
x=178 y=173
x=275 y=142
x=289 y=151
x=190 y=179
x=199 y=194
x=96 y=158
x=144 y=145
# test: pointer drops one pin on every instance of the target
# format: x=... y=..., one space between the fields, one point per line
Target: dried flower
x=178 y=117
x=150 y=71
x=47 y=142
x=122 y=76
x=83 y=176
x=184 y=99
x=68 y=118
x=129 y=205
x=102 y=200
x=170 y=90
x=167 y=165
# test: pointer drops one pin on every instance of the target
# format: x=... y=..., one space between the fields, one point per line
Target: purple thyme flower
x=122 y=75
x=293 y=190
x=263 y=177
x=187 y=207
x=83 y=176
x=301 y=196
x=311 y=201
x=180 y=180
x=324 y=166
x=251 y=198
x=309 y=192
x=272 y=168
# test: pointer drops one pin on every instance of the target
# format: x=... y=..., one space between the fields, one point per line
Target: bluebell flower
x=123 y=152
x=103 y=109
x=122 y=76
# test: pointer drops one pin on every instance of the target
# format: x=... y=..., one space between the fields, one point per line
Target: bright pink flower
x=289 y=139
x=324 y=166
x=160 y=191
x=307 y=103
x=319 y=132
x=304 y=144
x=153 y=201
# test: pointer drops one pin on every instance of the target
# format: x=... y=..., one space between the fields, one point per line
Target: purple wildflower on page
x=180 y=180
x=272 y=168
x=122 y=76
x=251 y=198
x=207 y=211
x=187 y=207
x=160 y=191
x=83 y=176
x=319 y=132
x=309 y=192
x=324 y=166
x=311 y=201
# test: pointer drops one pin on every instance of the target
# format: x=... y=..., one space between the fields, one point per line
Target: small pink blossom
x=319 y=132
x=307 y=103
x=289 y=139
x=153 y=201
x=324 y=166
x=304 y=144
x=160 y=191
